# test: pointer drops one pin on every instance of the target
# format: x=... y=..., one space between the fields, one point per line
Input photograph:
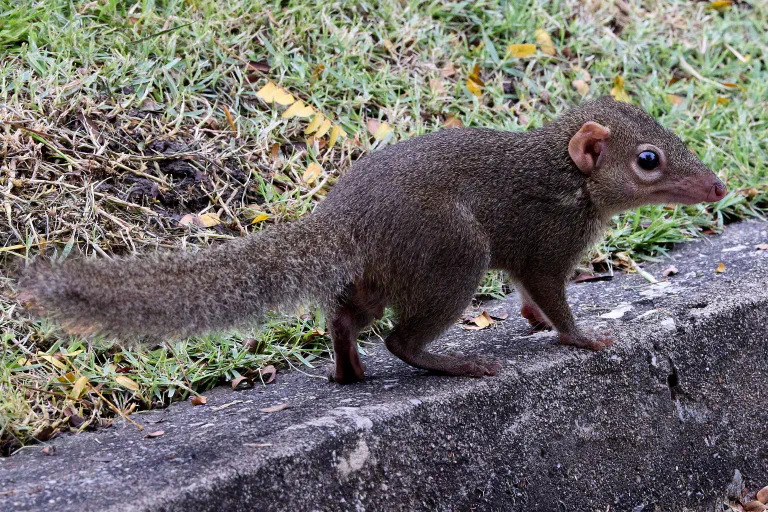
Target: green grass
x=91 y=93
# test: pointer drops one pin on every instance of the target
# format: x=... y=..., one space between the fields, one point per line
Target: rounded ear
x=585 y=147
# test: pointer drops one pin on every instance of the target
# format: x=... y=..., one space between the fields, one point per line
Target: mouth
x=690 y=190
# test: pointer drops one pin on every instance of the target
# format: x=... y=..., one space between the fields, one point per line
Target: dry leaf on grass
x=312 y=172
x=545 y=41
x=521 y=50
x=618 y=92
x=675 y=99
x=298 y=109
x=453 y=122
x=437 y=86
x=581 y=87
x=209 y=220
x=474 y=83
x=127 y=382
x=275 y=408
x=448 y=70
x=378 y=129
x=335 y=134
x=79 y=387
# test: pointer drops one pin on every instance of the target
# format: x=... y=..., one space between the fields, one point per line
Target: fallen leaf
x=521 y=50
x=720 y=5
x=453 y=122
x=482 y=320
x=618 y=92
x=79 y=387
x=127 y=382
x=209 y=220
x=378 y=129
x=268 y=374
x=275 y=408
x=317 y=72
x=581 y=74
x=720 y=268
x=199 y=400
x=274 y=94
x=581 y=87
x=298 y=109
x=388 y=45
x=337 y=132
x=448 y=70
x=156 y=433
x=311 y=174
x=474 y=88
x=236 y=383
x=675 y=99
x=253 y=346
x=312 y=127
x=261 y=65
x=762 y=247
x=437 y=86
x=55 y=362
x=545 y=41
x=260 y=218
x=323 y=128
x=274 y=152
x=722 y=100
x=670 y=271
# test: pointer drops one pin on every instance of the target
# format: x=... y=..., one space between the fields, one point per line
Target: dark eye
x=648 y=160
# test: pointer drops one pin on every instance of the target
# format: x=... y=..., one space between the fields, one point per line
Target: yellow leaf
x=675 y=99
x=79 y=387
x=720 y=268
x=315 y=124
x=474 y=88
x=582 y=73
x=283 y=97
x=618 y=92
x=229 y=119
x=55 y=362
x=127 y=382
x=482 y=320
x=545 y=42
x=335 y=133
x=521 y=50
x=267 y=93
x=388 y=45
x=298 y=109
x=312 y=172
x=581 y=86
x=453 y=122
x=323 y=128
x=382 y=131
x=722 y=100
x=260 y=218
x=720 y=5
x=210 y=219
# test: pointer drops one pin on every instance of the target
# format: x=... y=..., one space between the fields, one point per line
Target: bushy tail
x=180 y=294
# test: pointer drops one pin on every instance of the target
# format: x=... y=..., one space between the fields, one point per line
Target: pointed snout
x=717 y=190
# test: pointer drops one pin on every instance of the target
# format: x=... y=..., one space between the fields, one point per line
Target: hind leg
x=356 y=311
x=531 y=312
x=424 y=321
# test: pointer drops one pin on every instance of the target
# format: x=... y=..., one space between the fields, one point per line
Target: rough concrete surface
x=658 y=422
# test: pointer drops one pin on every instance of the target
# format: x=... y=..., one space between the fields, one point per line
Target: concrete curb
x=660 y=420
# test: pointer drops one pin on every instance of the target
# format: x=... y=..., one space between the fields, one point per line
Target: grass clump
x=118 y=119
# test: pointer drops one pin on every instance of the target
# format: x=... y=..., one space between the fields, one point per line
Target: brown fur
x=414 y=226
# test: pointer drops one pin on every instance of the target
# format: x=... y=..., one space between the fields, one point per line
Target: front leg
x=548 y=293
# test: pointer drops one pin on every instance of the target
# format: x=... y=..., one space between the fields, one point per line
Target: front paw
x=591 y=339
